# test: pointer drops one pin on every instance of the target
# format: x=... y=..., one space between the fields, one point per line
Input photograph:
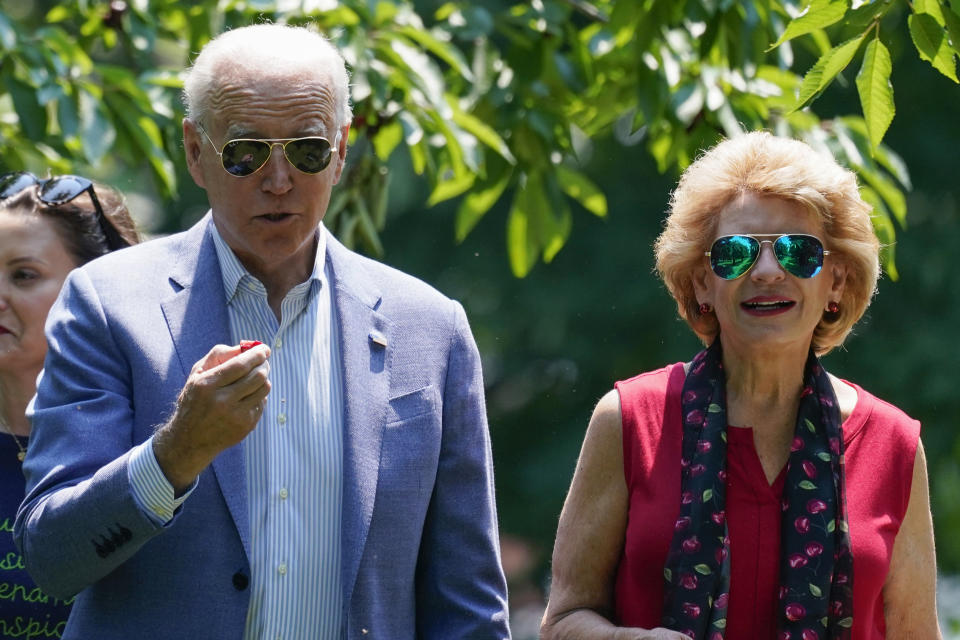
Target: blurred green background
x=555 y=340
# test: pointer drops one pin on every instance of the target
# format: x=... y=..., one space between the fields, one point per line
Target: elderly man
x=183 y=487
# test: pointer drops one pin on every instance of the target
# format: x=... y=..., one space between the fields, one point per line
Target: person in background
x=345 y=490
x=748 y=493
x=47 y=228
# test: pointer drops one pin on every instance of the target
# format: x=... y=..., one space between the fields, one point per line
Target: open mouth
x=767 y=306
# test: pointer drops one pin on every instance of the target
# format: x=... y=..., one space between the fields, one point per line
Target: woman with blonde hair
x=748 y=493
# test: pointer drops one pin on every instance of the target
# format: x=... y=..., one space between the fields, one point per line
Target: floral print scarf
x=816 y=566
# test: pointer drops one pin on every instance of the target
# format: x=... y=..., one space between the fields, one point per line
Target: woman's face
x=33 y=266
x=769 y=306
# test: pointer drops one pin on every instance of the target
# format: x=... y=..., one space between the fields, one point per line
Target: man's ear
x=341 y=158
x=192 y=147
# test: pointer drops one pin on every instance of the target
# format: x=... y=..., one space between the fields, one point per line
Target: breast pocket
x=411 y=447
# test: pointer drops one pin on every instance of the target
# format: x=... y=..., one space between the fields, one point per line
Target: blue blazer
x=420 y=545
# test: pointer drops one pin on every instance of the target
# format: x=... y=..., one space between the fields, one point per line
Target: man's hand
x=219 y=405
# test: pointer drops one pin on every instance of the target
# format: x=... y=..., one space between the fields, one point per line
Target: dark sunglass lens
x=13 y=183
x=800 y=255
x=243 y=157
x=732 y=256
x=309 y=155
x=63 y=189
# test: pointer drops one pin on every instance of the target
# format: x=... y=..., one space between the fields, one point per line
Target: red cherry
x=246 y=345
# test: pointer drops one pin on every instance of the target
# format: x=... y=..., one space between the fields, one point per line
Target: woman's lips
x=767 y=305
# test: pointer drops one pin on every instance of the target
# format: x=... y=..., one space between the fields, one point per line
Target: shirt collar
x=233 y=272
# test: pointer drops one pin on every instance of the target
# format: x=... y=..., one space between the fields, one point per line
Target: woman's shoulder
x=874 y=417
x=651 y=383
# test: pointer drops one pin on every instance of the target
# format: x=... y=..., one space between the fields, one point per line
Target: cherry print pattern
x=816 y=570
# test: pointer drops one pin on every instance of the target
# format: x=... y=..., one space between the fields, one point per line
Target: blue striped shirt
x=294 y=457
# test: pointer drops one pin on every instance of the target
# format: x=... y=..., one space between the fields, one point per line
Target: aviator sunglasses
x=245 y=156
x=799 y=254
x=60 y=190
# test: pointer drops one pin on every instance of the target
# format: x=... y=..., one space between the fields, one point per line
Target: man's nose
x=277 y=172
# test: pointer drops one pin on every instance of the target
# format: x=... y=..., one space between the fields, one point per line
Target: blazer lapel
x=365 y=347
x=196 y=315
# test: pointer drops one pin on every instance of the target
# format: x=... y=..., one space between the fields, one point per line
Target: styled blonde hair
x=766 y=165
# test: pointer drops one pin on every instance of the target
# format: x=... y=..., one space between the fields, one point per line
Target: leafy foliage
x=488 y=102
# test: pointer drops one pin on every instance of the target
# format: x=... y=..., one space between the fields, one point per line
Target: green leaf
x=522 y=240
x=667 y=574
x=57 y=14
x=831 y=526
x=826 y=69
x=876 y=92
x=817 y=15
x=33 y=117
x=146 y=136
x=931 y=8
x=707 y=495
x=451 y=188
x=815 y=590
x=883 y=227
x=442 y=49
x=931 y=42
x=702 y=569
x=8 y=35
x=580 y=188
x=810 y=426
x=952 y=22
x=823 y=455
x=477 y=203
x=806 y=484
x=846 y=623
x=481 y=131
x=713 y=407
x=720 y=623
x=889 y=191
x=386 y=139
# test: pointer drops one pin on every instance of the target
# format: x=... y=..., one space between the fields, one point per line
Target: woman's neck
x=764 y=375
x=16 y=390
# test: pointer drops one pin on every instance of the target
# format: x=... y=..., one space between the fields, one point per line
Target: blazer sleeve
x=79 y=519
x=461 y=590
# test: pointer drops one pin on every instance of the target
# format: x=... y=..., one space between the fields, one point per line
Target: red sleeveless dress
x=881 y=444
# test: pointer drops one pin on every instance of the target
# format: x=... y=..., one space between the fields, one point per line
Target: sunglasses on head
x=799 y=254
x=60 y=190
x=245 y=156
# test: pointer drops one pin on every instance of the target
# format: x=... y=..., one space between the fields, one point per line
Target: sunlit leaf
x=826 y=69
x=8 y=36
x=931 y=42
x=451 y=188
x=386 y=139
x=476 y=203
x=443 y=50
x=883 y=227
x=580 y=188
x=481 y=131
x=876 y=92
x=817 y=15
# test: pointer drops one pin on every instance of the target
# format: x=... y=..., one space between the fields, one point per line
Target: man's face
x=269 y=217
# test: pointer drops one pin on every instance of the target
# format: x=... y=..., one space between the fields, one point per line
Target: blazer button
x=240 y=581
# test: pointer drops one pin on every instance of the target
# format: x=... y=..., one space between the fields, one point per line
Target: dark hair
x=77 y=223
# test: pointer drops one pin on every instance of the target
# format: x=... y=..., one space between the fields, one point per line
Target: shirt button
x=282 y=418
x=282 y=569
x=279 y=343
x=283 y=493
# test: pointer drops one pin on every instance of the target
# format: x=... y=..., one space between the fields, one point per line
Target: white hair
x=269 y=46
